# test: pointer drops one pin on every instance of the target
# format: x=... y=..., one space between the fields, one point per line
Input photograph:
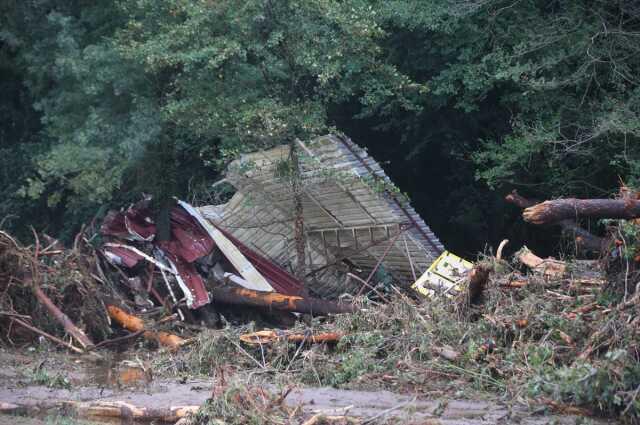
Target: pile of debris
x=563 y=332
x=191 y=277
x=356 y=227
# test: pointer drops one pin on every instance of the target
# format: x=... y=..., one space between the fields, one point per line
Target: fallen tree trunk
x=561 y=209
x=584 y=239
x=273 y=300
x=122 y=409
x=136 y=324
x=104 y=409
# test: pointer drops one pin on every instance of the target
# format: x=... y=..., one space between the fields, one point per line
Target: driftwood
x=105 y=409
x=135 y=324
x=584 y=239
x=273 y=300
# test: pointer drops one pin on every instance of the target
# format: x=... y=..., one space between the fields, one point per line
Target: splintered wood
x=135 y=324
x=269 y=336
x=549 y=267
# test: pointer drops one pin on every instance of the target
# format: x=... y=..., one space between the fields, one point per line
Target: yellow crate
x=444 y=275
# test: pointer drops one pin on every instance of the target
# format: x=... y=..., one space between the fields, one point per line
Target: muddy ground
x=38 y=381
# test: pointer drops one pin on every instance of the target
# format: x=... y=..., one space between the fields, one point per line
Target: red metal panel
x=193 y=281
x=189 y=240
x=122 y=256
x=113 y=225
x=139 y=220
x=281 y=280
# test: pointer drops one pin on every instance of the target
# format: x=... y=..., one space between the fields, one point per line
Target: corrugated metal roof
x=349 y=211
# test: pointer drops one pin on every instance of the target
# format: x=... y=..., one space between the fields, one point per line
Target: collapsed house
x=355 y=224
x=354 y=218
x=239 y=253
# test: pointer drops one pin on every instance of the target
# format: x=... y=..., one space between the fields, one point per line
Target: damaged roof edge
x=343 y=210
x=375 y=170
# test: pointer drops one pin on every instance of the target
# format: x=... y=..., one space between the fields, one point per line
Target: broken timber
x=269 y=336
x=273 y=300
x=62 y=318
x=549 y=267
x=235 y=257
x=135 y=324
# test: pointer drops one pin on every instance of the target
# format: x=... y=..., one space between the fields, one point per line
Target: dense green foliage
x=463 y=99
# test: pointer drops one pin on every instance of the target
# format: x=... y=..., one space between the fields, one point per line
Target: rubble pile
x=35 y=280
x=143 y=284
x=562 y=334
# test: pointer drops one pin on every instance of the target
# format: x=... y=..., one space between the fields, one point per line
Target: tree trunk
x=478 y=278
x=562 y=209
x=273 y=300
x=298 y=211
x=585 y=240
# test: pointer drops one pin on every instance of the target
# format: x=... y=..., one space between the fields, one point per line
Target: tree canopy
x=465 y=100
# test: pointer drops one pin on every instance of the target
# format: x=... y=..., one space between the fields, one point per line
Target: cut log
x=561 y=209
x=273 y=300
x=584 y=239
x=136 y=324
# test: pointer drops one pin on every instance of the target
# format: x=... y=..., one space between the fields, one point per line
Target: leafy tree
x=463 y=99
x=260 y=73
